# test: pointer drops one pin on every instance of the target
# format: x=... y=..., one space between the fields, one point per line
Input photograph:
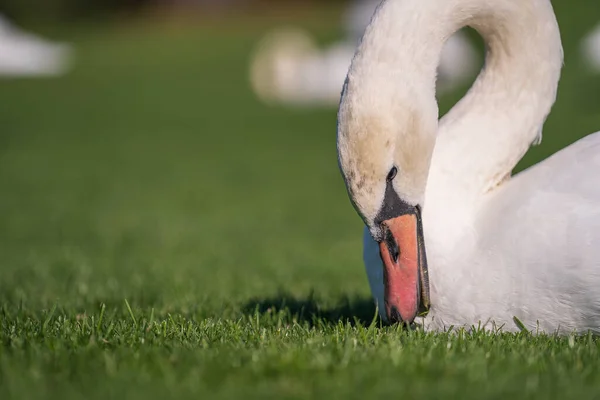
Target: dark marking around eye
x=392 y=207
x=392 y=174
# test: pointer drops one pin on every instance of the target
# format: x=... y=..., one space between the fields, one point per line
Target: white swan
x=498 y=247
x=24 y=54
x=590 y=49
x=288 y=67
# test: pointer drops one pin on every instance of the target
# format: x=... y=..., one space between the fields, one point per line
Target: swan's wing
x=574 y=169
x=555 y=204
x=542 y=228
x=570 y=175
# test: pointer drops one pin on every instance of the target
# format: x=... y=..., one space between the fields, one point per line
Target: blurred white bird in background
x=288 y=67
x=23 y=54
x=591 y=49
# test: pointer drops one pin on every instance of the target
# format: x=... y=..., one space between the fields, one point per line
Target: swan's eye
x=392 y=174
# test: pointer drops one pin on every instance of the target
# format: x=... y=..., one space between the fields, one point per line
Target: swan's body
x=289 y=68
x=497 y=247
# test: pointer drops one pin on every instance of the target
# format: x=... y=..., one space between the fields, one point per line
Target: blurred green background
x=150 y=172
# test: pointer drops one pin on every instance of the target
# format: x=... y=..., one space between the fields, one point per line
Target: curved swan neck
x=488 y=131
x=484 y=136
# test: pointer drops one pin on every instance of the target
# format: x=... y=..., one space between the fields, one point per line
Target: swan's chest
x=487 y=289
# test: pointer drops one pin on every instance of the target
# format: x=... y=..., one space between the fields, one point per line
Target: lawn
x=164 y=235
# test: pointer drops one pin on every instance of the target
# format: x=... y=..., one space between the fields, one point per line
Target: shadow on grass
x=309 y=310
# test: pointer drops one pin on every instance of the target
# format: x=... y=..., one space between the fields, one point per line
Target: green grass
x=162 y=234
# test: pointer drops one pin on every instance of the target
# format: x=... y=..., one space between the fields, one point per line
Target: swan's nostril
x=392 y=246
x=394 y=315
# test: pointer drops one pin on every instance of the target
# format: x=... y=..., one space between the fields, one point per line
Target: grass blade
x=131 y=313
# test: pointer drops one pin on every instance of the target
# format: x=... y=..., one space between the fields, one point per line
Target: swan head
x=384 y=153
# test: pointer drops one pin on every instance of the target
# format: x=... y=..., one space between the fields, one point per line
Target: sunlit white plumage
x=498 y=246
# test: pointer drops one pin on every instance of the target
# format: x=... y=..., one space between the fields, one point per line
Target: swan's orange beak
x=405 y=268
